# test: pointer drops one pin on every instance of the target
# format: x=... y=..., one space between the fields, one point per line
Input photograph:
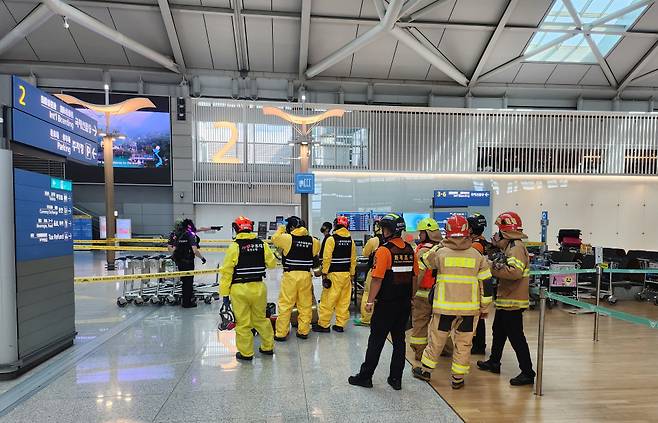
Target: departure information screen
x=359 y=221
x=457 y=198
x=43 y=216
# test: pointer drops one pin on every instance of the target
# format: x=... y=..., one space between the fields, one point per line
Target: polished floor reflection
x=172 y=365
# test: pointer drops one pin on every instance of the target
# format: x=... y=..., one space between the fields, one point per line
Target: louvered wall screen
x=402 y=139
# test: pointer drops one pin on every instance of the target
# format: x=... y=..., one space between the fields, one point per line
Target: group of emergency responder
x=444 y=285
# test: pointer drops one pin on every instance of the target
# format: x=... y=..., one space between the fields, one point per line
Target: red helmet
x=457 y=226
x=243 y=224
x=341 y=221
x=509 y=221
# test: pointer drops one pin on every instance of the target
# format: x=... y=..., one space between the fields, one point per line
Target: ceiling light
x=66 y=22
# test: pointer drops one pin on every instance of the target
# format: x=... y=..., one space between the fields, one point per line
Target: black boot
x=522 y=379
x=281 y=338
x=266 y=352
x=358 y=380
x=489 y=366
x=337 y=328
x=321 y=329
x=395 y=383
x=239 y=356
x=420 y=373
x=301 y=335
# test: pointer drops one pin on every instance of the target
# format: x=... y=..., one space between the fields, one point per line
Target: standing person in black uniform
x=478 y=223
x=325 y=230
x=186 y=247
x=391 y=292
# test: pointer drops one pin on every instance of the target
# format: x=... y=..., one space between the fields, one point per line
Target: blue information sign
x=456 y=198
x=43 y=216
x=49 y=137
x=304 y=183
x=442 y=217
x=82 y=227
x=33 y=101
x=359 y=221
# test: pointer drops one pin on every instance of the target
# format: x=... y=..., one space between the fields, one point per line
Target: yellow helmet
x=427 y=224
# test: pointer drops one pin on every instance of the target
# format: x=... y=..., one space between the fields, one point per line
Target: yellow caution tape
x=125 y=248
x=167 y=275
x=148 y=241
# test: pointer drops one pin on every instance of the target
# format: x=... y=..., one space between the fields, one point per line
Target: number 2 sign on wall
x=220 y=156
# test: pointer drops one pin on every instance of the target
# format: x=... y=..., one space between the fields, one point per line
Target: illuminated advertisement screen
x=412 y=219
x=142 y=145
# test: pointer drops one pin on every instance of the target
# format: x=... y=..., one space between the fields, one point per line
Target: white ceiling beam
x=305 y=33
x=412 y=5
x=492 y=41
x=384 y=26
x=94 y=25
x=592 y=45
x=239 y=36
x=425 y=10
x=431 y=56
x=170 y=27
x=648 y=57
x=619 y=13
x=24 y=67
x=32 y=21
x=344 y=20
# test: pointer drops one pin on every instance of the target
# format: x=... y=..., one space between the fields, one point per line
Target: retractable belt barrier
x=598 y=310
x=126 y=248
x=149 y=241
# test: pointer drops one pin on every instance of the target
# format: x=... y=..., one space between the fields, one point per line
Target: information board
x=31 y=100
x=411 y=220
x=43 y=216
x=304 y=183
x=359 y=221
x=82 y=227
x=456 y=198
x=37 y=133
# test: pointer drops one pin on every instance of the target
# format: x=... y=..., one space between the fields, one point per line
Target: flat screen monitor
x=359 y=221
x=412 y=219
x=142 y=148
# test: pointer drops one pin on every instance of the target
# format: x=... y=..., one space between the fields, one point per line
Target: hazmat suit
x=242 y=279
x=338 y=269
x=299 y=249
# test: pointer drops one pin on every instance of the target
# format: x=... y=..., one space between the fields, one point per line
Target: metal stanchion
x=599 y=276
x=540 y=343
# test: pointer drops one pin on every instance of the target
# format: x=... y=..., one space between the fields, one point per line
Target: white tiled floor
x=174 y=366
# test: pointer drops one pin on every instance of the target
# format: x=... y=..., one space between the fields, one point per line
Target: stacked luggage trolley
x=161 y=290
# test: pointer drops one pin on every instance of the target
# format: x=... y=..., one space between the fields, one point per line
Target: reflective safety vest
x=398 y=280
x=251 y=261
x=300 y=256
x=429 y=275
x=459 y=283
x=341 y=258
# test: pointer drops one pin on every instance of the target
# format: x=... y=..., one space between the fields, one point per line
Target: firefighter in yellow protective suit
x=421 y=312
x=338 y=268
x=242 y=287
x=459 y=297
x=299 y=251
x=369 y=251
x=512 y=298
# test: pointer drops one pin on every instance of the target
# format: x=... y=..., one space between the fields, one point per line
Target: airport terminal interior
x=328 y=210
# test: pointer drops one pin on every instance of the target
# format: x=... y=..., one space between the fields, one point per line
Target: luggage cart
x=359 y=283
x=649 y=290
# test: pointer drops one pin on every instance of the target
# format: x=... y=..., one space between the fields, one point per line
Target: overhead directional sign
x=456 y=198
x=31 y=100
x=304 y=183
x=43 y=135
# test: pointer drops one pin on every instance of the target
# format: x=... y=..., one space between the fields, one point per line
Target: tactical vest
x=251 y=261
x=342 y=257
x=183 y=252
x=300 y=256
x=484 y=243
x=398 y=280
x=429 y=275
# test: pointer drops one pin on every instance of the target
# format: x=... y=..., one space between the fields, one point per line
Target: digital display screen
x=457 y=198
x=82 y=227
x=378 y=215
x=142 y=147
x=412 y=219
x=43 y=216
x=359 y=221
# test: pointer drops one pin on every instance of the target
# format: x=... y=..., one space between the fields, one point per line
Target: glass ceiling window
x=576 y=49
